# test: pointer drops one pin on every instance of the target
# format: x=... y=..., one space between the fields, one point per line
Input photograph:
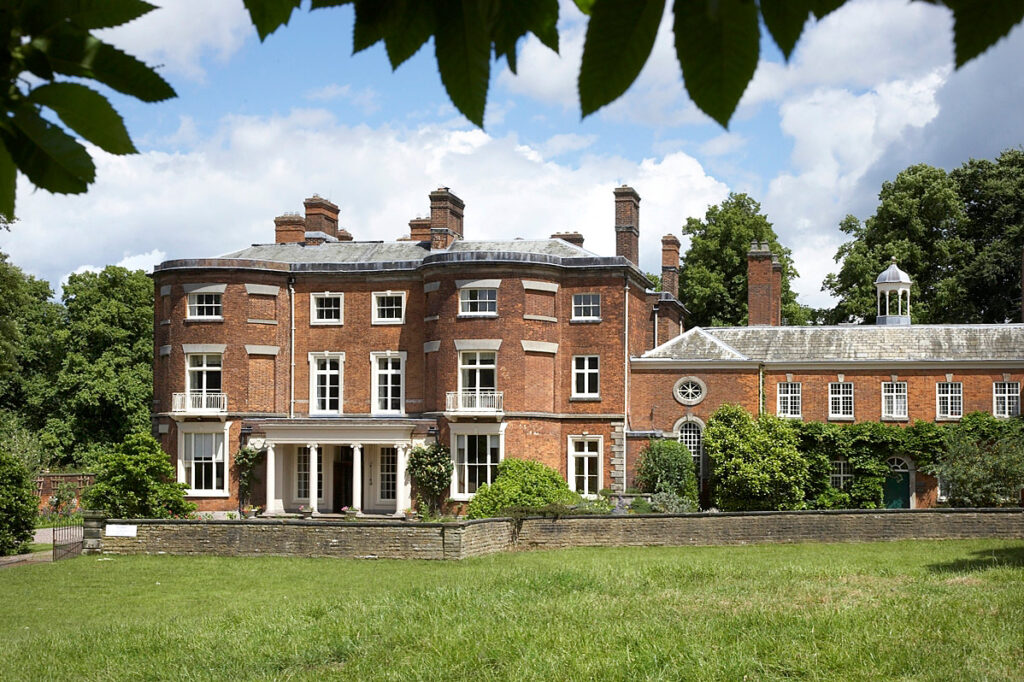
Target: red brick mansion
x=338 y=356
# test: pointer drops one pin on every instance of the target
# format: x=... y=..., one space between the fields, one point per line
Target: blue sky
x=258 y=127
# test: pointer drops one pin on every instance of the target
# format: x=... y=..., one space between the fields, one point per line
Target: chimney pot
x=289 y=228
x=670 y=264
x=627 y=224
x=321 y=215
x=764 y=286
x=446 y=211
x=571 y=237
x=344 y=235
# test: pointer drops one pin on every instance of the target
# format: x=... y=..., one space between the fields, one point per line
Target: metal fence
x=67 y=538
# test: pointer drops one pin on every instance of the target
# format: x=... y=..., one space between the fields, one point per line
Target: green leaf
x=785 y=20
x=372 y=24
x=515 y=19
x=268 y=15
x=36 y=62
x=414 y=27
x=717 y=47
x=8 y=181
x=86 y=14
x=76 y=53
x=48 y=156
x=822 y=8
x=620 y=36
x=88 y=113
x=462 y=46
x=585 y=6
x=978 y=24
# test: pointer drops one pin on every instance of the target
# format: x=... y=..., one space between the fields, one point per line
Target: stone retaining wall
x=399 y=540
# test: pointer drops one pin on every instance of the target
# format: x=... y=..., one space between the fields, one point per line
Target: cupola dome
x=893 y=281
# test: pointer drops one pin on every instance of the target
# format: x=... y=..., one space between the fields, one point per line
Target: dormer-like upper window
x=204 y=306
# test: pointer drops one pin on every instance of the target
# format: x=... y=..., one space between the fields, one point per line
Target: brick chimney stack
x=321 y=215
x=445 y=218
x=571 y=237
x=627 y=224
x=670 y=264
x=776 y=291
x=289 y=228
x=763 y=293
x=419 y=229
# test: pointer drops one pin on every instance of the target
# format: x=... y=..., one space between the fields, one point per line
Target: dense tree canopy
x=958 y=235
x=713 y=276
x=79 y=372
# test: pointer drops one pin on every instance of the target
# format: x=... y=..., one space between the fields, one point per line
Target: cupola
x=893 y=283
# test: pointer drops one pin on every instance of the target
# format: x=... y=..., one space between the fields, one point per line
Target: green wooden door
x=897 y=490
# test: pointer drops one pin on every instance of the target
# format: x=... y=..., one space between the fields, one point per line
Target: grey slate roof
x=381 y=252
x=864 y=343
x=333 y=252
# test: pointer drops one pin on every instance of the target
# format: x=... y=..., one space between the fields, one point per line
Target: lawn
x=913 y=610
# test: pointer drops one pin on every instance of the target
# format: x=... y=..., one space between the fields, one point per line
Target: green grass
x=903 y=610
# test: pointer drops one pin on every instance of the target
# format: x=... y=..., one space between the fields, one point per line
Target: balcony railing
x=485 y=402
x=200 y=403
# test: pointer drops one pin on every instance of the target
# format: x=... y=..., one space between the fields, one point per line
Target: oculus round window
x=689 y=390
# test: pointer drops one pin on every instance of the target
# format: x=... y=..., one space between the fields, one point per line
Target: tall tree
x=958 y=235
x=105 y=383
x=713 y=276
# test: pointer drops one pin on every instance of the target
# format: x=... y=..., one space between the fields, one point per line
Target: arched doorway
x=897 y=484
x=690 y=432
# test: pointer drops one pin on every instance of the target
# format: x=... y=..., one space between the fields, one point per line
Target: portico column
x=314 y=467
x=403 y=492
x=357 y=476
x=274 y=504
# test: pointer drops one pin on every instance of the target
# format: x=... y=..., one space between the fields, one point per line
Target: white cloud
x=183 y=33
x=724 y=144
x=223 y=193
x=556 y=145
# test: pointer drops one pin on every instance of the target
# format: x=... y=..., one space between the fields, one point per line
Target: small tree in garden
x=756 y=464
x=135 y=480
x=246 y=460
x=430 y=468
x=980 y=470
x=521 y=484
x=666 y=466
x=17 y=505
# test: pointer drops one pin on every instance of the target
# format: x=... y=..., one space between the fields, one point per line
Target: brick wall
x=397 y=540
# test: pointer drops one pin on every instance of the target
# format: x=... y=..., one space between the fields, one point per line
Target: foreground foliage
x=666 y=468
x=430 y=468
x=135 y=480
x=782 y=612
x=17 y=504
x=717 y=42
x=520 y=484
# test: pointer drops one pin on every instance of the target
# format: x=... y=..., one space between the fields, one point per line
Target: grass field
x=904 y=610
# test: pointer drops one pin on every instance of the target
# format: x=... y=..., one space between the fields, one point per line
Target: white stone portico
x=351 y=464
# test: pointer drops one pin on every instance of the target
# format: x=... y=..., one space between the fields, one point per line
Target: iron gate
x=67 y=538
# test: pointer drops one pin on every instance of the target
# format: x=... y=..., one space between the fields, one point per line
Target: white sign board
x=121 y=530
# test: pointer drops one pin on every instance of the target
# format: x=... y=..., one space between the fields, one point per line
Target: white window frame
x=470 y=297
x=838 y=391
x=573 y=455
x=895 y=389
x=1006 y=392
x=203 y=370
x=314 y=309
x=689 y=400
x=952 y=394
x=376 y=319
x=375 y=374
x=587 y=372
x=793 y=390
x=578 y=304
x=194 y=304
x=463 y=366
x=302 y=455
x=313 y=373
x=460 y=429
x=216 y=428
x=840 y=471
x=698 y=457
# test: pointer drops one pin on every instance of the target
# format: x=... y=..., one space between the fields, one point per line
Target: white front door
x=380 y=478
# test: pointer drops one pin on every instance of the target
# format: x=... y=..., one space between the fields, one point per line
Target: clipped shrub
x=755 y=464
x=431 y=468
x=666 y=466
x=521 y=484
x=640 y=505
x=667 y=502
x=245 y=462
x=135 y=479
x=18 y=505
